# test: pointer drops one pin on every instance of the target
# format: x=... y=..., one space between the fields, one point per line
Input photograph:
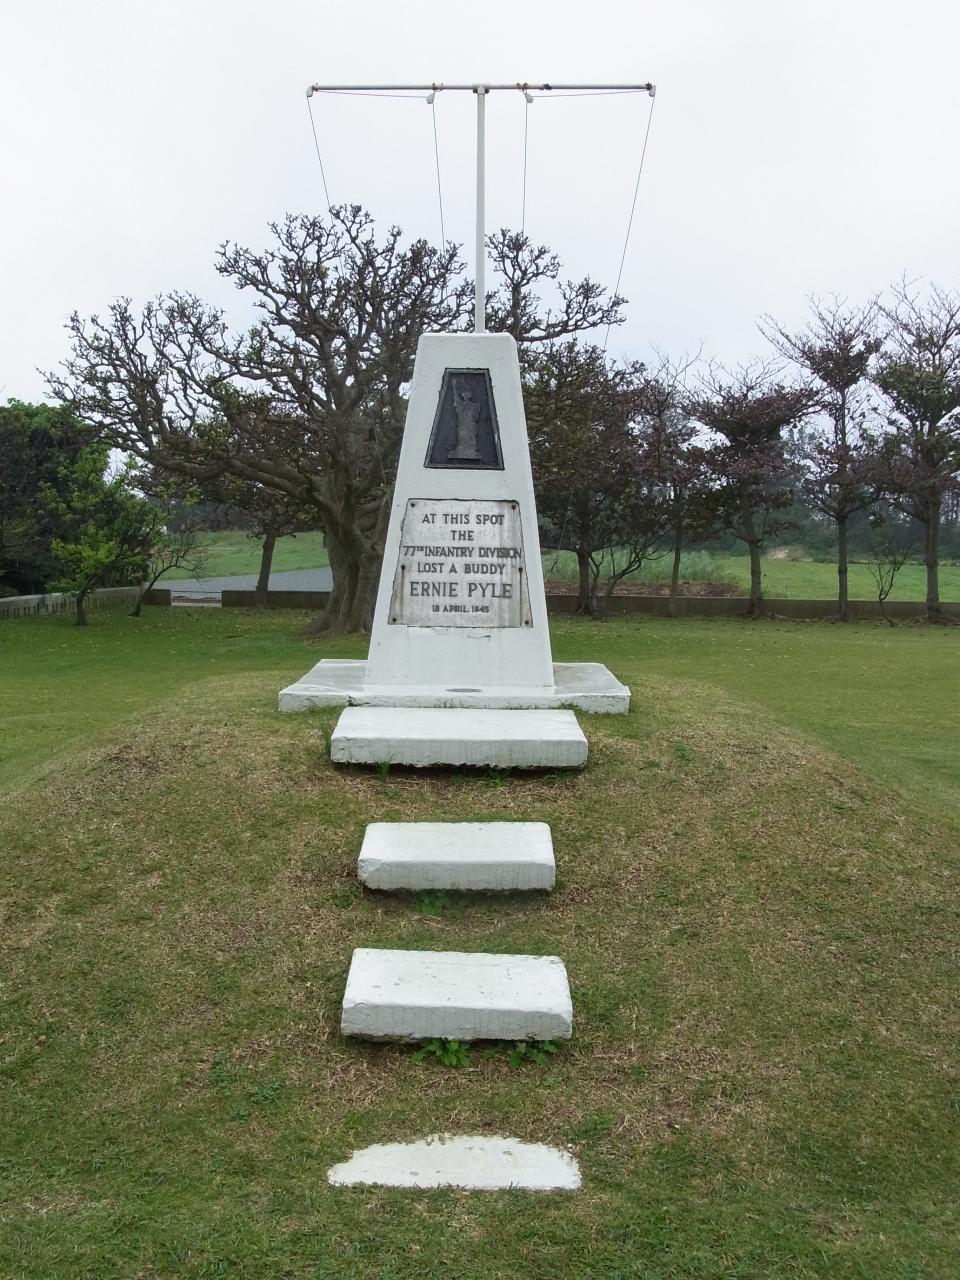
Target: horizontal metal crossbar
x=521 y=86
x=481 y=90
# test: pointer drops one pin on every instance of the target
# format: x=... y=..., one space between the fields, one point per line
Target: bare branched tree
x=311 y=401
x=178 y=548
x=918 y=374
x=676 y=460
x=518 y=306
x=581 y=413
x=835 y=349
x=891 y=547
x=751 y=411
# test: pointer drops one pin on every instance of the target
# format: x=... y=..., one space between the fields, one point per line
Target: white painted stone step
x=480 y=1163
x=424 y=736
x=456 y=995
x=502 y=856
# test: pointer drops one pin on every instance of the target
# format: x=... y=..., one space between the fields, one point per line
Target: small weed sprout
x=220 y=1073
x=383 y=770
x=266 y=1092
x=433 y=901
x=539 y=1052
x=449 y=1053
x=522 y=1052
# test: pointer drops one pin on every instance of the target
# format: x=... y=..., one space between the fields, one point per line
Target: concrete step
x=457 y=855
x=425 y=736
x=455 y=995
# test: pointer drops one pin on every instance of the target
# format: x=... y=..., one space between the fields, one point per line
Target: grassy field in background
x=757 y=904
x=232 y=551
x=235 y=552
x=782 y=579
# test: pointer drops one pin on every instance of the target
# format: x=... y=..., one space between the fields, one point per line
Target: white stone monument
x=461 y=616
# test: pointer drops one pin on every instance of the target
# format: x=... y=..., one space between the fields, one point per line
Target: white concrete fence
x=62 y=602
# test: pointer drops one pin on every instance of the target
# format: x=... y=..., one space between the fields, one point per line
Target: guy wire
x=436 y=153
x=633 y=209
x=316 y=143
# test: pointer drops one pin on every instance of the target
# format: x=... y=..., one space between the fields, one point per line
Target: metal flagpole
x=480 y=287
x=481 y=90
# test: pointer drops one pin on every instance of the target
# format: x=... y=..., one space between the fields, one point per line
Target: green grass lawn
x=757 y=904
x=234 y=552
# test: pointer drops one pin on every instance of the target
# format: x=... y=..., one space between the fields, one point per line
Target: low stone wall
x=62 y=602
x=734 y=606
x=276 y=599
x=649 y=606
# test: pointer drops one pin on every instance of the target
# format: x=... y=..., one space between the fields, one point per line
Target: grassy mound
x=760 y=927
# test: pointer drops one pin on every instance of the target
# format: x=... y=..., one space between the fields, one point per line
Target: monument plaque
x=465 y=433
x=461 y=564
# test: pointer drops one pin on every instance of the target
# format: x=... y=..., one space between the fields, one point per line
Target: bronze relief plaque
x=465 y=434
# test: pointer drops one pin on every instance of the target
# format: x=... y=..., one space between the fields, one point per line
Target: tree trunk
x=365 y=594
x=675 y=571
x=356 y=576
x=338 y=571
x=266 y=560
x=931 y=558
x=585 y=605
x=612 y=583
x=755 y=607
x=843 y=603
x=81 y=607
x=145 y=589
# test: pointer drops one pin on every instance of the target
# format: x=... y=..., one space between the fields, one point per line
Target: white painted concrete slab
x=424 y=736
x=502 y=856
x=420 y=995
x=341 y=682
x=481 y=1163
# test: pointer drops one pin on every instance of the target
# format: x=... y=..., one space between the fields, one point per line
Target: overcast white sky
x=796 y=148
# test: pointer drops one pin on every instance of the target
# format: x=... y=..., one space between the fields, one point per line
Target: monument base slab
x=336 y=682
x=423 y=737
x=455 y=995
x=499 y=856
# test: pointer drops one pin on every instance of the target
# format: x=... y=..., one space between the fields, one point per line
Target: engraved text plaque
x=461 y=565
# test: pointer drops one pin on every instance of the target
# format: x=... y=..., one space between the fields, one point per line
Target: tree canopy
x=309 y=402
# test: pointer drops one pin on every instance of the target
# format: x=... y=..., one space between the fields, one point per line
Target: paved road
x=294 y=580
